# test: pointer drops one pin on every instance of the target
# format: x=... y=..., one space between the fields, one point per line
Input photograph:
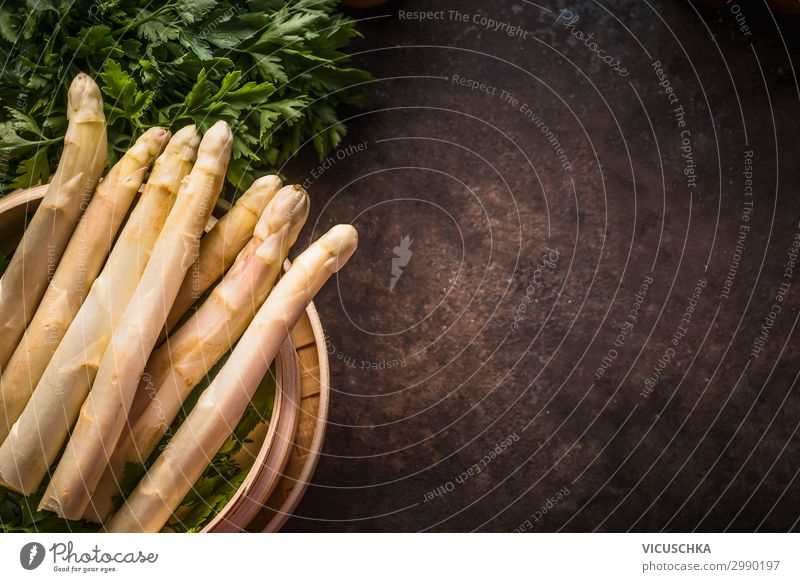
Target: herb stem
x=144 y=20
x=27 y=144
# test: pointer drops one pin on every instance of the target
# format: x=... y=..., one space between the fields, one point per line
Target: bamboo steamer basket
x=285 y=451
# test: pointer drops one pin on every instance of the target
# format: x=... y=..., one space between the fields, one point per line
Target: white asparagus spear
x=219 y=248
x=80 y=265
x=178 y=366
x=40 y=432
x=36 y=258
x=222 y=404
x=105 y=411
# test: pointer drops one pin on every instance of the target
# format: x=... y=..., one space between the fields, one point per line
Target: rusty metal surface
x=561 y=315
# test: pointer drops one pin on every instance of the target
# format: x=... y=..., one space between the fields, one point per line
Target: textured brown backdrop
x=431 y=377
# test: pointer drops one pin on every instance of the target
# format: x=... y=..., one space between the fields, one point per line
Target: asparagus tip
x=270 y=182
x=184 y=143
x=341 y=241
x=290 y=206
x=84 y=96
x=158 y=132
x=186 y=133
x=217 y=141
x=260 y=193
x=156 y=138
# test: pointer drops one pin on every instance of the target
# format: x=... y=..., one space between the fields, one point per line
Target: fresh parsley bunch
x=273 y=69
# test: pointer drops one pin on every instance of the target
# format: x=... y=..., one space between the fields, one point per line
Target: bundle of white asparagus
x=101 y=354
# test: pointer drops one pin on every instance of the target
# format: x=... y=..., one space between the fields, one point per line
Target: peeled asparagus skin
x=178 y=366
x=80 y=265
x=221 y=245
x=40 y=432
x=82 y=162
x=104 y=414
x=221 y=406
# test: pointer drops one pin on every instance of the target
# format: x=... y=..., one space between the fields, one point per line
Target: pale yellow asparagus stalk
x=42 y=429
x=80 y=265
x=179 y=365
x=37 y=256
x=221 y=245
x=222 y=404
x=105 y=411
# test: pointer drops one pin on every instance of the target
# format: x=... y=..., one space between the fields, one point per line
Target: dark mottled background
x=433 y=375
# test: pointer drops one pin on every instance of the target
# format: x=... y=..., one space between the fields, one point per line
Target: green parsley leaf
x=32 y=171
x=96 y=39
x=126 y=100
x=194 y=10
